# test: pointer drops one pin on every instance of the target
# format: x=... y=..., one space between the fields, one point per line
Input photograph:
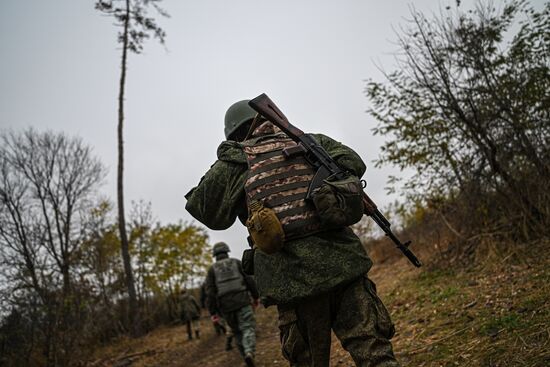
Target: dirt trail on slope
x=168 y=346
x=493 y=315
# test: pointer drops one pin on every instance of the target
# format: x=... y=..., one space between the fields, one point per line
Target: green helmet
x=220 y=248
x=236 y=115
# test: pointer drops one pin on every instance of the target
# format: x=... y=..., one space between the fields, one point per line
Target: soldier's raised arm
x=218 y=199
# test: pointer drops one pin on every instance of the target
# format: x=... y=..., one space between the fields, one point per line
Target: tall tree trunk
x=133 y=306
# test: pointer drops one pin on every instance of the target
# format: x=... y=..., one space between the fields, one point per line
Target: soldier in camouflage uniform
x=318 y=281
x=219 y=324
x=229 y=293
x=190 y=314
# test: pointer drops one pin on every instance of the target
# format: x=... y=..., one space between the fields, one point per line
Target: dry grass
x=497 y=315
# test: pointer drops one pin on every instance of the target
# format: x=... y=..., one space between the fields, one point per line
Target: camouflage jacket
x=305 y=266
x=189 y=308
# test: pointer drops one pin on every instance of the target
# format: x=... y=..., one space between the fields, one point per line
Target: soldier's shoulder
x=209 y=273
x=231 y=151
x=322 y=138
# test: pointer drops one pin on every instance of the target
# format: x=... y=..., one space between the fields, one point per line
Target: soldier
x=229 y=291
x=219 y=324
x=318 y=280
x=203 y=295
x=190 y=314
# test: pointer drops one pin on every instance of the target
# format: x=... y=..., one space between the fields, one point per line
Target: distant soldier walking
x=229 y=294
x=190 y=314
x=218 y=323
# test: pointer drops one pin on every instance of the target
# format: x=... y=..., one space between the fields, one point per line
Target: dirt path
x=169 y=347
x=495 y=316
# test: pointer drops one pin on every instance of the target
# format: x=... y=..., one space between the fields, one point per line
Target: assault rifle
x=325 y=166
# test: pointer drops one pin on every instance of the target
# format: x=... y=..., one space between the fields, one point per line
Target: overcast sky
x=59 y=70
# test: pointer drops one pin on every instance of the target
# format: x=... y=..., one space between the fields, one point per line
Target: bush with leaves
x=468 y=109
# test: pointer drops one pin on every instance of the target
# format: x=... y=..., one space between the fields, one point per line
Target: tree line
x=62 y=276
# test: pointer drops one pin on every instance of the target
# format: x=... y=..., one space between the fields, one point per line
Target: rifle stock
x=265 y=107
x=325 y=165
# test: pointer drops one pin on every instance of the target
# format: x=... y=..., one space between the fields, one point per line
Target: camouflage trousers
x=191 y=325
x=243 y=326
x=355 y=314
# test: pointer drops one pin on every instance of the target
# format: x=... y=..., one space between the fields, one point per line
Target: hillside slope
x=497 y=316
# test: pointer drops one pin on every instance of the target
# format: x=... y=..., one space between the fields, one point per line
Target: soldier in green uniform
x=318 y=280
x=190 y=314
x=231 y=293
x=219 y=324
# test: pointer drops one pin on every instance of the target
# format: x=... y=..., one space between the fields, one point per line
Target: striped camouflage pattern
x=280 y=183
x=305 y=267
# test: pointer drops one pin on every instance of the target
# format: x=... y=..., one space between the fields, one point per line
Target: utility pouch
x=265 y=228
x=248 y=261
x=339 y=203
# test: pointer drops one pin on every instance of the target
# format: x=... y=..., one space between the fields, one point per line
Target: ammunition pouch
x=265 y=228
x=339 y=203
x=248 y=261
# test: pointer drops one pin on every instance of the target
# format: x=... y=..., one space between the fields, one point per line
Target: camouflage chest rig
x=276 y=188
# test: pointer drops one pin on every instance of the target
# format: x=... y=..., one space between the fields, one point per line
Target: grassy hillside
x=497 y=315
x=494 y=315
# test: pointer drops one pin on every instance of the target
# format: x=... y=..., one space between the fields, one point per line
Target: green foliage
x=141 y=26
x=496 y=324
x=430 y=278
x=99 y=257
x=468 y=110
x=167 y=257
x=439 y=295
x=180 y=253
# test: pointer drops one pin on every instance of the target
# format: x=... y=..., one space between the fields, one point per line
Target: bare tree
x=47 y=182
x=137 y=26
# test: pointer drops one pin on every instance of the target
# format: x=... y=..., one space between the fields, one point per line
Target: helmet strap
x=253 y=126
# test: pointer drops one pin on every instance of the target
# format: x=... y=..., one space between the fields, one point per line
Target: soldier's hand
x=215 y=319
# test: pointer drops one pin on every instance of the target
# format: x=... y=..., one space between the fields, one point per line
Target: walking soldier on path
x=219 y=324
x=190 y=313
x=229 y=295
x=306 y=259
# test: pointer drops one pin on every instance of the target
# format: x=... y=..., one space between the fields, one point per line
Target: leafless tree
x=47 y=182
